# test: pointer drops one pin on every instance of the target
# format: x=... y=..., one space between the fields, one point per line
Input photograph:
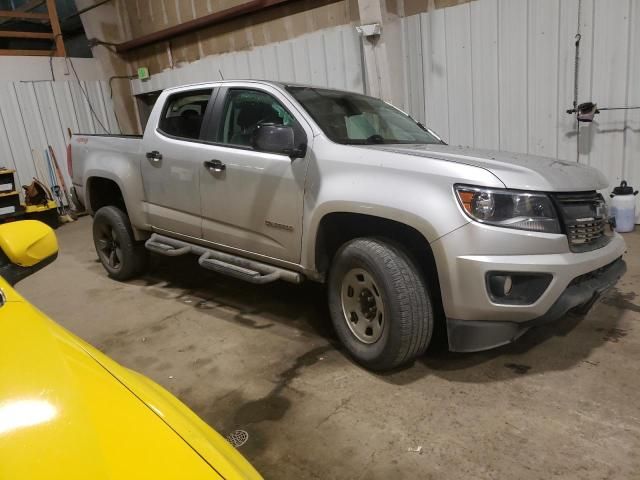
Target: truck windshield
x=353 y=119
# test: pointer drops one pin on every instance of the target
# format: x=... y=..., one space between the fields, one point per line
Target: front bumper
x=465 y=256
x=476 y=335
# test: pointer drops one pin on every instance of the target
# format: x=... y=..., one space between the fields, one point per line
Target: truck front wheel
x=121 y=256
x=379 y=304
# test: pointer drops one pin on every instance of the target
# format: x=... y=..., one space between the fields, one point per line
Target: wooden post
x=55 y=27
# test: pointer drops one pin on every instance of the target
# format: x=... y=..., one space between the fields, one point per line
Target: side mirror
x=274 y=138
x=25 y=247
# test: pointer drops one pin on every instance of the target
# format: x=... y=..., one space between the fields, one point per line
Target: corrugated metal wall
x=275 y=24
x=499 y=74
x=329 y=57
x=490 y=73
x=36 y=114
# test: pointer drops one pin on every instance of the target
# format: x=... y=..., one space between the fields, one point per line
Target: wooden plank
x=12 y=34
x=24 y=53
x=513 y=75
x=55 y=27
x=484 y=65
x=25 y=7
x=459 y=77
x=25 y=15
x=543 y=109
x=8 y=194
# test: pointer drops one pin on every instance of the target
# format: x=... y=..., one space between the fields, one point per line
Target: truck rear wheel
x=379 y=304
x=121 y=256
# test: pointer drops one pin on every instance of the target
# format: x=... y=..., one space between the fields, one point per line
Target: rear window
x=183 y=114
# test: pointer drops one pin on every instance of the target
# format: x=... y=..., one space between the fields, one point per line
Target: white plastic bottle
x=623 y=207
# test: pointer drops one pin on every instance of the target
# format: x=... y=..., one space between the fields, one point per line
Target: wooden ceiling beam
x=13 y=34
x=51 y=16
x=55 y=26
x=25 y=15
x=25 y=7
x=20 y=53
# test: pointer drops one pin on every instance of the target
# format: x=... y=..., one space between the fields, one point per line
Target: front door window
x=244 y=110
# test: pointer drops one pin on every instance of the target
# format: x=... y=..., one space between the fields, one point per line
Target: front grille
x=584 y=216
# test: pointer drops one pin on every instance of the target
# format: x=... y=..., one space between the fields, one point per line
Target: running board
x=232 y=265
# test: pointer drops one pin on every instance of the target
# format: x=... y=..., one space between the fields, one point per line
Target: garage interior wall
x=122 y=20
x=36 y=111
x=494 y=74
x=499 y=74
x=328 y=57
x=272 y=25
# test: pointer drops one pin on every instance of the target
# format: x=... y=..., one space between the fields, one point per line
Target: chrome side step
x=238 y=267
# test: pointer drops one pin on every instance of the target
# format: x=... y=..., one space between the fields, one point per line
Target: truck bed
x=98 y=154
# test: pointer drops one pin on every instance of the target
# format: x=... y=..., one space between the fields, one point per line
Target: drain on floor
x=238 y=438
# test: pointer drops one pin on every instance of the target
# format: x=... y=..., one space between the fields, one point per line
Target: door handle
x=215 y=166
x=154 y=156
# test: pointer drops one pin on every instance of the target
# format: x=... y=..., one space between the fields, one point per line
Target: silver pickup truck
x=267 y=181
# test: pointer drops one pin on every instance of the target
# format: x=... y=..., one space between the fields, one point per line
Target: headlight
x=508 y=208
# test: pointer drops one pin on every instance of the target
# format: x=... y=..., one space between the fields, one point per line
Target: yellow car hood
x=67 y=411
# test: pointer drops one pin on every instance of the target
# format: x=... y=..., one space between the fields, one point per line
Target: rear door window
x=183 y=114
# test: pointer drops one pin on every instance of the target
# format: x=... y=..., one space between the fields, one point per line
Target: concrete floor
x=563 y=402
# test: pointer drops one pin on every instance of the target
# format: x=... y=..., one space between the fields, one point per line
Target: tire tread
x=135 y=252
x=415 y=322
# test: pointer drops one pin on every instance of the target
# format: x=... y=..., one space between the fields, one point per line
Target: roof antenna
x=220 y=72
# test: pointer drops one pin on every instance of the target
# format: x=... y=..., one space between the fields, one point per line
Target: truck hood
x=514 y=170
